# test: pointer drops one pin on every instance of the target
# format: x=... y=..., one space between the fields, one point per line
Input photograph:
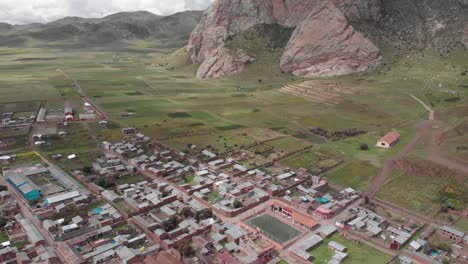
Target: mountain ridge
x=111 y=29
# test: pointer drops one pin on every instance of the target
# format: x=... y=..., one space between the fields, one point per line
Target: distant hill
x=173 y=30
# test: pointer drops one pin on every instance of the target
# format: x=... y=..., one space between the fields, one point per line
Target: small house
x=388 y=140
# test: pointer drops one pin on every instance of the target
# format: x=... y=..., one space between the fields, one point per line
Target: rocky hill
x=329 y=37
x=174 y=29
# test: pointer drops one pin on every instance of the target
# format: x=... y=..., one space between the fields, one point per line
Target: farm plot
x=356 y=175
x=328 y=93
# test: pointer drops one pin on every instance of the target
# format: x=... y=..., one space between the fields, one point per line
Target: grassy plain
x=149 y=88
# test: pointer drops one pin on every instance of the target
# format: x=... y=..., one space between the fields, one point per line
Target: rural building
x=68 y=110
x=62 y=198
x=337 y=247
x=452 y=233
x=87 y=116
x=128 y=131
x=28 y=189
x=388 y=140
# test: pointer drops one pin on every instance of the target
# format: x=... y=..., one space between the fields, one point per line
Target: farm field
x=274 y=228
x=155 y=91
x=423 y=194
x=358 y=253
x=356 y=175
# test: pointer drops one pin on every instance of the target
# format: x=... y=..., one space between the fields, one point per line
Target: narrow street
x=26 y=212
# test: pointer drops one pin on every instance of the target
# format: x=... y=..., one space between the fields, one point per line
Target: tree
x=187 y=212
x=87 y=169
x=170 y=224
x=185 y=249
x=203 y=214
x=364 y=146
x=3 y=222
x=237 y=204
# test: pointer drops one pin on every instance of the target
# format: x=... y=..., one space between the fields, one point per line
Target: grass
x=356 y=175
x=274 y=228
x=214 y=197
x=282 y=262
x=3 y=236
x=235 y=111
x=124 y=206
x=418 y=193
x=130 y=179
x=20 y=244
x=289 y=144
x=358 y=253
x=462 y=224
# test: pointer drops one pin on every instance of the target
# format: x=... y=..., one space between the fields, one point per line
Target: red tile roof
x=391 y=137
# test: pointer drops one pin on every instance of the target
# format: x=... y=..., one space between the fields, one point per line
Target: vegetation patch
x=180 y=115
x=134 y=93
x=337 y=135
x=356 y=175
x=230 y=127
x=358 y=253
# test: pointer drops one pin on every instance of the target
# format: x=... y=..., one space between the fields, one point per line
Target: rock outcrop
x=323 y=42
x=465 y=36
x=329 y=47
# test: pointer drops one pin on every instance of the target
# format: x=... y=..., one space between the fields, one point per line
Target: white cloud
x=41 y=11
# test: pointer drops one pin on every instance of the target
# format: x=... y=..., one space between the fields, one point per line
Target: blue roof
x=323 y=200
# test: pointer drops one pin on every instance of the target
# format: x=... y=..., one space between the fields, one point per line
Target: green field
x=462 y=224
x=356 y=175
x=358 y=253
x=155 y=90
x=422 y=193
x=274 y=228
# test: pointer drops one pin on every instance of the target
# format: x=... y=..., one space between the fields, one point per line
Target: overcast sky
x=32 y=11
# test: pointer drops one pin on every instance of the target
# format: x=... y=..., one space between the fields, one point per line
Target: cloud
x=42 y=11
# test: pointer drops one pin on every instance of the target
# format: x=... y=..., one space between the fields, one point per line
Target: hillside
x=172 y=30
x=329 y=37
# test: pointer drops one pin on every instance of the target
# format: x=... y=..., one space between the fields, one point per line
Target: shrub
x=364 y=146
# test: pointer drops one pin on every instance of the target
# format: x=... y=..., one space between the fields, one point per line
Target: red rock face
x=465 y=36
x=322 y=44
x=329 y=47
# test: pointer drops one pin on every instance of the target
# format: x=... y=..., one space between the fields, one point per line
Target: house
x=337 y=247
x=388 y=140
x=452 y=233
x=327 y=231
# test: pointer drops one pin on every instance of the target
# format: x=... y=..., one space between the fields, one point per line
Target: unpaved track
x=437 y=129
x=437 y=153
x=422 y=129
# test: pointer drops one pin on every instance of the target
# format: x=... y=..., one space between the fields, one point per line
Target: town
x=141 y=201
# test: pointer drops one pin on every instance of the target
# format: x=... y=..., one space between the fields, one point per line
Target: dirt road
x=437 y=129
x=437 y=154
x=422 y=129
